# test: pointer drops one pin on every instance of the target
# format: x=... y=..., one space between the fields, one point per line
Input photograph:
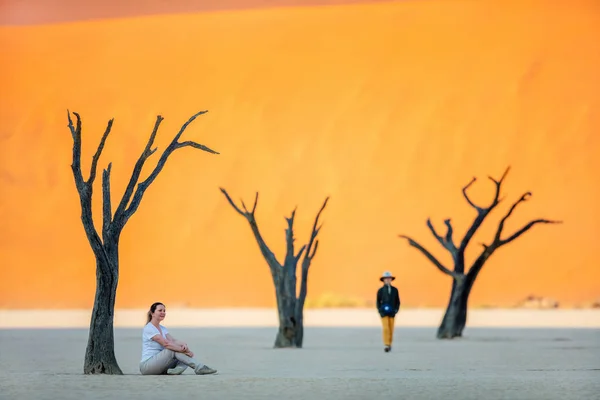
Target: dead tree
x=100 y=354
x=455 y=317
x=290 y=306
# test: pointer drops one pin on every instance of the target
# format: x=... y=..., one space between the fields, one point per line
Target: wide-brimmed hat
x=387 y=274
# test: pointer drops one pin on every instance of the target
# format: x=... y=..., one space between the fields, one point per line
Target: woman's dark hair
x=152 y=309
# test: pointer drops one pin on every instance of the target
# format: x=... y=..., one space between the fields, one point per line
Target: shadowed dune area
x=32 y=12
x=389 y=108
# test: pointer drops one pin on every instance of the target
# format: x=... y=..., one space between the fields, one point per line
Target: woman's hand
x=189 y=353
x=184 y=348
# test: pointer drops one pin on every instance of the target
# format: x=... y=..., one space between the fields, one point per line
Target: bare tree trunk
x=299 y=328
x=300 y=308
x=455 y=316
x=462 y=317
x=286 y=294
x=286 y=334
x=291 y=324
x=100 y=352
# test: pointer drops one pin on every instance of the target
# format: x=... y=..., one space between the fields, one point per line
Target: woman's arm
x=168 y=344
x=183 y=345
x=172 y=339
x=179 y=342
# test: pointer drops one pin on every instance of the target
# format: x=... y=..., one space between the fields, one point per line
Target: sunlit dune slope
x=388 y=108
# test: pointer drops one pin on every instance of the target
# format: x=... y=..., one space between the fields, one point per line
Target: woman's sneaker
x=205 y=370
x=178 y=370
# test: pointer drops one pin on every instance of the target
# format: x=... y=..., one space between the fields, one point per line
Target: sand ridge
x=244 y=318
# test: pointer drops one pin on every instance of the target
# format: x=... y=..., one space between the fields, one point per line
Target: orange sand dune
x=389 y=108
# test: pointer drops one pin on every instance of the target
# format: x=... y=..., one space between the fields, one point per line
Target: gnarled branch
x=482 y=212
x=495 y=201
x=449 y=232
x=125 y=209
x=245 y=213
x=434 y=232
x=498 y=186
x=311 y=251
x=430 y=257
x=300 y=252
x=446 y=241
x=526 y=228
x=106 y=203
x=290 y=256
x=189 y=143
x=269 y=256
x=76 y=163
x=85 y=190
x=498 y=241
x=98 y=153
x=522 y=199
x=464 y=190
x=137 y=170
x=143 y=186
x=253 y=207
x=313 y=243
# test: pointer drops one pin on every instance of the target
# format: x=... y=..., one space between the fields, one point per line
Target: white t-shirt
x=149 y=346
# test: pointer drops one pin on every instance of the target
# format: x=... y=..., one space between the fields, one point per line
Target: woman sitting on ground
x=162 y=353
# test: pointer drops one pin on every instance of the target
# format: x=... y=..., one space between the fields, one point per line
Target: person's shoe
x=387 y=349
x=205 y=370
x=178 y=370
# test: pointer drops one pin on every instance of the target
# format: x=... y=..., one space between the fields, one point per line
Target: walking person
x=162 y=353
x=388 y=305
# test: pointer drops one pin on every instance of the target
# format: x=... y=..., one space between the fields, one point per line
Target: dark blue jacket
x=388 y=296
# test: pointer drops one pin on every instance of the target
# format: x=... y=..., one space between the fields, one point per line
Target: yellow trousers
x=388 y=330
